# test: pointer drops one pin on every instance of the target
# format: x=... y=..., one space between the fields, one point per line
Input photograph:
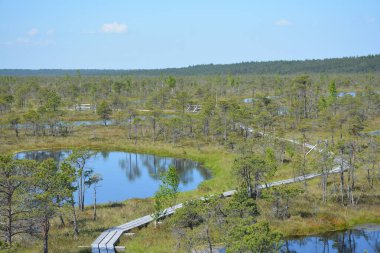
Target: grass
x=153 y=240
x=216 y=159
x=114 y=138
x=61 y=239
x=309 y=216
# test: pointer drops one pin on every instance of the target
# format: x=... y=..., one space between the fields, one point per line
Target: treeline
x=362 y=64
x=277 y=102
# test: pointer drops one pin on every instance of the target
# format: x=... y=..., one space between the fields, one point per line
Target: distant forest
x=362 y=64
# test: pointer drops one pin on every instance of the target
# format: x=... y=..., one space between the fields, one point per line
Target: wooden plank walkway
x=106 y=241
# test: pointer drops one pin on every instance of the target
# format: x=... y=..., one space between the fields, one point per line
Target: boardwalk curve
x=106 y=241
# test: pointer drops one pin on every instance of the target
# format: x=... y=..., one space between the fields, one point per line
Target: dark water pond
x=248 y=100
x=377 y=132
x=88 y=122
x=361 y=239
x=68 y=123
x=348 y=93
x=129 y=175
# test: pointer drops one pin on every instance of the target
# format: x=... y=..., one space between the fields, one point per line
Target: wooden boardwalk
x=106 y=241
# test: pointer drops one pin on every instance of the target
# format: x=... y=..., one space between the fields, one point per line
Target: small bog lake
x=359 y=239
x=129 y=175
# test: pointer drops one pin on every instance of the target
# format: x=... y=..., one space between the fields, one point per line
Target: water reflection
x=129 y=175
x=131 y=171
x=89 y=122
x=377 y=132
x=248 y=100
x=348 y=93
x=43 y=155
x=360 y=239
x=355 y=240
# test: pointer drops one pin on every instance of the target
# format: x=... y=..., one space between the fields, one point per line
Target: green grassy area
x=318 y=218
x=216 y=159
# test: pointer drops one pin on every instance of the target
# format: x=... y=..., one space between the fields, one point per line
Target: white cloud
x=32 y=32
x=50 y=32
x=45 y=42
x=22 y=40
x=283 y=22
x=114 y=28
x=30 y=42
x=30 y=38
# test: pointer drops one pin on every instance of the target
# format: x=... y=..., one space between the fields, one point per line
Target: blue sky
x=125 y=34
